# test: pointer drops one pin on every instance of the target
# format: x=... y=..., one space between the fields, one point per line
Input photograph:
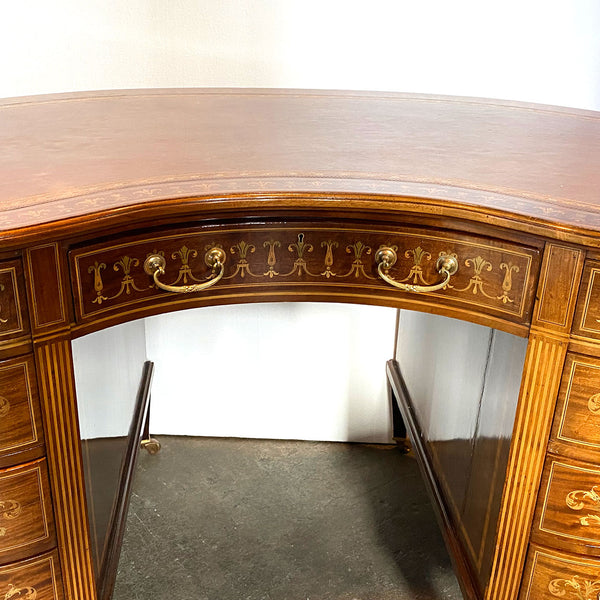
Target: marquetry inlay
x=576 y=588
x=579 y=499
x=9 y=509
x=489 y=275
x=21 y=593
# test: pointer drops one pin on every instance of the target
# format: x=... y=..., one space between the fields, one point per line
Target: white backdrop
x=539 y=51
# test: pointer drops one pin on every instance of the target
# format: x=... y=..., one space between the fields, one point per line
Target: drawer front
x=26 y=523
x=36 y=579
x=587 y=315
x=568 y=510
x=14 y=322
x=21 y=432
x=576 y=427
x=549 y=575
x=496 y=276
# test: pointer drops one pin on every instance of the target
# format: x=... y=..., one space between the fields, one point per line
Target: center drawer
x=304 y=261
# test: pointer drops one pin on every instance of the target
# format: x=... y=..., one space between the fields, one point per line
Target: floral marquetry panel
x=550 y=575
x=576 y=427
x=35 y=579
x=297 y=262
x=568 y=509
x=26 y=520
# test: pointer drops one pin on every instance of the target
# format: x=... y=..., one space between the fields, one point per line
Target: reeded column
x=548 y=342
x=49 y=307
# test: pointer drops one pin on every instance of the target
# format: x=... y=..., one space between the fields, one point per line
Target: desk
x=300 y=190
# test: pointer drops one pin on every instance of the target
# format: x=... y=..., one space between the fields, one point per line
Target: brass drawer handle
x=386 y=258
x=155 y=265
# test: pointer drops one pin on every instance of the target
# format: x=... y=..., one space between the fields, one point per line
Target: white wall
x=535 y=50
x=286 y=371
x=106 y=388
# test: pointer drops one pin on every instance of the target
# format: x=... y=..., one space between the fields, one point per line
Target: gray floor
x=223 y=519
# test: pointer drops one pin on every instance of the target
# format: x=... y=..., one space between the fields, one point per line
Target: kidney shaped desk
x=119 y=205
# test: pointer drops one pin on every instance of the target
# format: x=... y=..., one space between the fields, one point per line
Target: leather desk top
x=65 y=157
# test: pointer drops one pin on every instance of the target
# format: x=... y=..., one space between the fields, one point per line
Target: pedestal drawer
x=576 y=427
x=35 y=579
x=549 y=575
x=26 y=523
x=21 y=432
x=14 y=322
x=568 y=509
x=587 y=315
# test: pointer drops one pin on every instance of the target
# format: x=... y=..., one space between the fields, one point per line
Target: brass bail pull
x=154 y=265
x=386 y=257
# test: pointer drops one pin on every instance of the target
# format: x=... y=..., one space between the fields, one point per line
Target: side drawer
x=26 y=520
x=14 y=321
x=38 y=578
x=279 y=261
x=576 y=427
x=21 y=431
x=568 y=509
x=549 y=575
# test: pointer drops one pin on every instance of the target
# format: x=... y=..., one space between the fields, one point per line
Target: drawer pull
x=386 y=258
x=154 y=265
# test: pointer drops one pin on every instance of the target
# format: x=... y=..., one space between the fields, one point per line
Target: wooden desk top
x=92 y=186
x=66 y=157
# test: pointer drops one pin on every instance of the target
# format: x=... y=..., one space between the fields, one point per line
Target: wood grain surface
x=92 y=183
x=525 y=166
x=550 y=575
x=568 y=509
x=38 y=578
x=26 y=516
x=21 y=430
x=576 y=427
x=494 y=278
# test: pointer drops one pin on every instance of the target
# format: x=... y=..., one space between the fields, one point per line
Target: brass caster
x=151 y=446
x=403 y=445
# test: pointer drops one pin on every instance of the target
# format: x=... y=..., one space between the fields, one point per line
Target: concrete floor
x=223 y=519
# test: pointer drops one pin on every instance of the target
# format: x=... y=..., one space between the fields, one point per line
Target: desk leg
x=59 y=409
x=399 y=432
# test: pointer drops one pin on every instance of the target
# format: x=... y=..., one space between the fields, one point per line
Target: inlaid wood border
x=590 y=286
x=572 y=374
x=557 y=464
x=291 y=230
x=571 y=563
x=27 y=377
x=47 y=277
x=559 y=277
x=45 y=534
x=18 y=310
x=45 y=562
